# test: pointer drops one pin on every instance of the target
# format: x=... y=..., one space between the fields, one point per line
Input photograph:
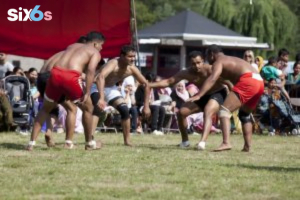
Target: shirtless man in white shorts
x=110 y=74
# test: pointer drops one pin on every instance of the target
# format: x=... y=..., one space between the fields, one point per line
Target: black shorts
x=41 y=86
x=219 y=96
x=42 y=83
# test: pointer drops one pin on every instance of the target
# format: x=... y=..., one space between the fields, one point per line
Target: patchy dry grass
x=154 y=169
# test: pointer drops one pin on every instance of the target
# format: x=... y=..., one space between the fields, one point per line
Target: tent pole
x=135 y=40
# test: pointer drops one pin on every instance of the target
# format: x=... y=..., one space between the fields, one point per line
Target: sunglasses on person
x=248 y=56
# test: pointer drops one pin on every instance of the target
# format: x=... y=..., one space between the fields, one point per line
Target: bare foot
x=95 y=146
x=49 y=141
x=246 y=149
x=128 y=144
x=29 y=147
x=223 y=147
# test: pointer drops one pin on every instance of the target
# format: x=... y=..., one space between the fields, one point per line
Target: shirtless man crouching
x=246 y=93
x=65 y=80
x=209 y=103
x=111 y=73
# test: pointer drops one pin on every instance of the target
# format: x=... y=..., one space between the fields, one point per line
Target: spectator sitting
x=18 y=71
x=5 y=66
x=260 y=62
x=270 y=71
x=249 y=57
x=32 y=77
x=295 y=76
x=129 y=98
x=192 y=89
x=283 y=59
x=180 y=94
x=157 y=111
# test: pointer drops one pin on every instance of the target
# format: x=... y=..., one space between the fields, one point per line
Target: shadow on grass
x=12 y=146
x=268 y=168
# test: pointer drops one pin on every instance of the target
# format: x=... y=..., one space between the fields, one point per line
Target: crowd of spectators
x=165 y=102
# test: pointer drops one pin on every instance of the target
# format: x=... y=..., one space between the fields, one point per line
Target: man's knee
x=244 y=117
x=224 y=112
x=123 y=110
x=183 y=112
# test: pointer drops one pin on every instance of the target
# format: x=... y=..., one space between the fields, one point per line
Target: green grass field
x=154 y=169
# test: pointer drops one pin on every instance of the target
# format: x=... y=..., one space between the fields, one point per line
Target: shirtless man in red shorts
x=245 y=94
x=65 y=80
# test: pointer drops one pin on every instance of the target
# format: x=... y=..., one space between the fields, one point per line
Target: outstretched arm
x=209 y=82
x=168 y=82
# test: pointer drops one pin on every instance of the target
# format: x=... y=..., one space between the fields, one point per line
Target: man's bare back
x=233 y=67
x=76 y=57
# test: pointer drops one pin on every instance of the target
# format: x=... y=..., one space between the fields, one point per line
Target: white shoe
x=156 y=132
x=201 y=145
x=184 y=144
x=24 y=133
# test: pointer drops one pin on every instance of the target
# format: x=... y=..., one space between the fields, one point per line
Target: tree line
x=273 y=21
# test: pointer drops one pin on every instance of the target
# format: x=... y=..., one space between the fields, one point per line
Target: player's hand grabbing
x=194 y=98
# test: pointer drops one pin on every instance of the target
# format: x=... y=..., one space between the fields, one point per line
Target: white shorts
x=111 y=93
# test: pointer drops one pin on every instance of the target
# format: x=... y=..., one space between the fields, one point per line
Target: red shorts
x=250 y=87
x=64 y=82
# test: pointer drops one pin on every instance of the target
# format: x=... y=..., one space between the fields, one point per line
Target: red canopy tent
x=70 y=20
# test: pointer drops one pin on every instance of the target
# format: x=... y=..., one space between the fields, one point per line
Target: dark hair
x=32 y=69
x=212 y=49
x=297 y=58
x=8 y=73
x=82 y=39
x=283 y=52
x=17 y=69
x=150 y=77
x=126 y=48
x=93 y=35
x=272 y=59
x=194 y=54
x=271 y=79
x=295 y=64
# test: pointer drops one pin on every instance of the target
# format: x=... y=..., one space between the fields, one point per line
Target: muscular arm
x=211 y=80
x=168 y=82
x=103 y=73
x=141 y=79
x=90 y=72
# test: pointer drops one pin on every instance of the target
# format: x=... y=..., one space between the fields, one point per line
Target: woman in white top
x=249 y=57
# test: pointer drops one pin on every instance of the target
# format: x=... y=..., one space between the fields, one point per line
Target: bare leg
x=39 y=120
x=87 y=117
x=247 y=133
x=232 y=103
x=187 y=109
x=125 y=124
x=126 y=131
x=71 y=109
x=48 y=134
x=210 y=109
